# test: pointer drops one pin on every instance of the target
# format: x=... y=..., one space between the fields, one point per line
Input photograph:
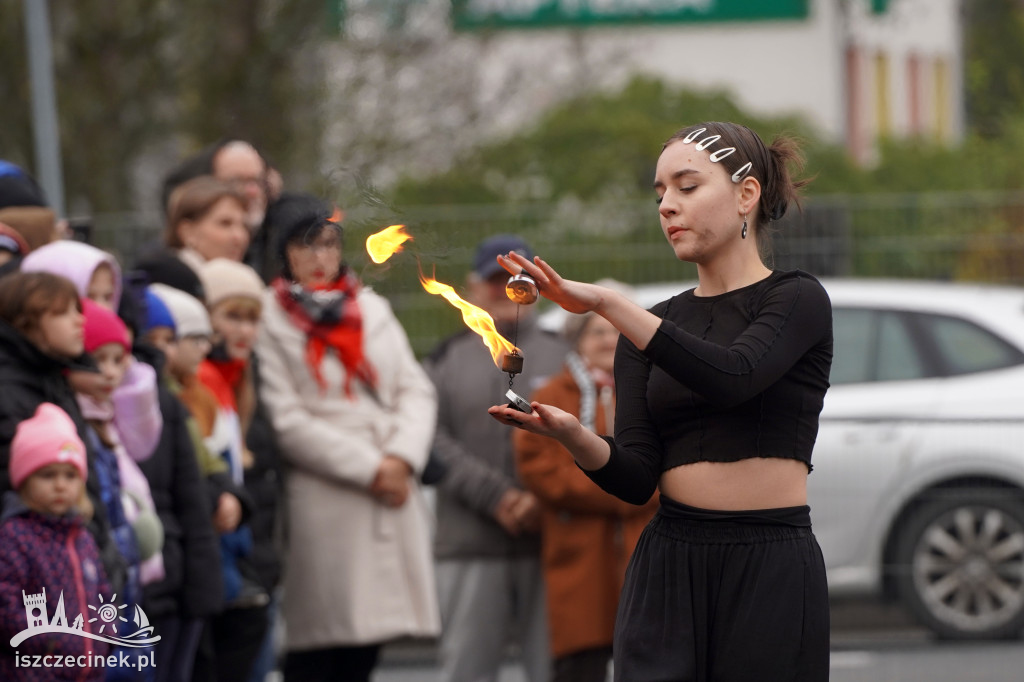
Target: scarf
x=590 y=381
x=329 y=316
x=231 y=383
x=93 y=410
x=233 y=372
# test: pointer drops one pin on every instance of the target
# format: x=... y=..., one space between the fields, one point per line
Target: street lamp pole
x=46 y=132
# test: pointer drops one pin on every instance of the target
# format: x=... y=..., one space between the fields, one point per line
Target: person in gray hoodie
x=487 y=544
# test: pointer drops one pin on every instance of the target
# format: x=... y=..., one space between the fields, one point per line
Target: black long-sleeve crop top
x=728 y=377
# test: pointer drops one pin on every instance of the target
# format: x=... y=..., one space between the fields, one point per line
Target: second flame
x=386 y=243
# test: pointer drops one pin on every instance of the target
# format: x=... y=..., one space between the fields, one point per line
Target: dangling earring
x=743 y=232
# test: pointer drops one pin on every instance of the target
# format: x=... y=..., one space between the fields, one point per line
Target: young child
x=234 y=301
x=44 y=546
x=106 y=340
x=192 y=589
x=96 y=275
x=40 y=339
x=184 y=340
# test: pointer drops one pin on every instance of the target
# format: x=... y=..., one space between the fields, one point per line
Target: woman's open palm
x=545 y=420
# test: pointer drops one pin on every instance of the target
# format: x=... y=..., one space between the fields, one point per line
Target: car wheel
x=960 y=562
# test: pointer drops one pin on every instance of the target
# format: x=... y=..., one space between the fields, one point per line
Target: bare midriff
x=756 y=483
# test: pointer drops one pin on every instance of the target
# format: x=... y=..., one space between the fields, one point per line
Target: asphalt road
x=870 y=643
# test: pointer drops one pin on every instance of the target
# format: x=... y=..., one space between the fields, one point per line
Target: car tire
x=960 y=563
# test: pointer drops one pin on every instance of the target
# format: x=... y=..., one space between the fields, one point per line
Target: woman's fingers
x=520 y=263
x=545 y=420
x=506 y=414
x=509 y=266
x=549 y=272
x=509 y=417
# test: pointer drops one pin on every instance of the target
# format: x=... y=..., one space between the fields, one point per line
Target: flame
x=386 y=243
x=478 y=320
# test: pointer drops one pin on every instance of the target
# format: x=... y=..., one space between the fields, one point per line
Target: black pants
x=229 y=645
x=337 y=664
x=724 y=596
x=589 y=665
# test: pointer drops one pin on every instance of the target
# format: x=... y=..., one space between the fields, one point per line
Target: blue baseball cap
x=485 y=262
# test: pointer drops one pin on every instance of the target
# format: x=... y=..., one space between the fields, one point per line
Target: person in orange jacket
x=587 y=535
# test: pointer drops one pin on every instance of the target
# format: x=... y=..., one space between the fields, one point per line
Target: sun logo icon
x=108 y=614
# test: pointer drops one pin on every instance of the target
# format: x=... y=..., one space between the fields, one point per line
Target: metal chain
x=515 y=339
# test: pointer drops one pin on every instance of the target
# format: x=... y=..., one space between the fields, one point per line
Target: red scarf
x=340 y=330
x=222 y=377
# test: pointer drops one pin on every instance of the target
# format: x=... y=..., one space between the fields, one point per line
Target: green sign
x=471 y=14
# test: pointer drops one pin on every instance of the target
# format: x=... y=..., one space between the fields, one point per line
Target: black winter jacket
x=192 y=586
x=28 y=378
x=264 y=484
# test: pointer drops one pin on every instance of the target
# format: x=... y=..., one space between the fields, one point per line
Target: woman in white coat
x=354 y=416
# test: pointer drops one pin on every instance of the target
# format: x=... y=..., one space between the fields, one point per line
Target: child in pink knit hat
x=44 y=547
x=48 y=466
x=107 y=341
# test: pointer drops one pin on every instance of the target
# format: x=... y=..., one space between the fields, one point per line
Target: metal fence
x=939 y=236
x=962 y=236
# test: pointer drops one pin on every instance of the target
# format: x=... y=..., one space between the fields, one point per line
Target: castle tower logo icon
x=107 y=622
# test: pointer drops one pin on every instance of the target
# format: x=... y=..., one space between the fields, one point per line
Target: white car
x=918 y=483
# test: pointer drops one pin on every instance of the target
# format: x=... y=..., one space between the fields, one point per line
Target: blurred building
x=859 y=70
x=856 y=70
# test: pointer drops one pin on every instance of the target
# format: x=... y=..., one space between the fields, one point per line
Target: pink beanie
x=103 y=326
x=47 y=438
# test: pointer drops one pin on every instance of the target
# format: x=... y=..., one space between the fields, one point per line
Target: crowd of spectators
x=229 y=436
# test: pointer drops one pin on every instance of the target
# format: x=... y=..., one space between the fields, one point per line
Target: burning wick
x=386 y=243
x=512 y=363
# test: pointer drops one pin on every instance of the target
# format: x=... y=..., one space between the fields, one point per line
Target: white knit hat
x=223 y=278
x=189 y=313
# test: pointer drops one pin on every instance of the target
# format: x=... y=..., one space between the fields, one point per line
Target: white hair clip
x=717 y=155
x=741 y=172
x=722 y=153
x=694 y=135
x=707 y=142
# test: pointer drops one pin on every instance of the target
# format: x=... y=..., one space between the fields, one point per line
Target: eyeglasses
x=198 y=339
x=243 y=182
x=328 y=244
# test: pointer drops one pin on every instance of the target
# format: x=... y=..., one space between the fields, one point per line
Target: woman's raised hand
x=575 y=297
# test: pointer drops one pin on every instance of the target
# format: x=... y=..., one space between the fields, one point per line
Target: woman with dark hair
x=354 y=415
x=718 y=392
